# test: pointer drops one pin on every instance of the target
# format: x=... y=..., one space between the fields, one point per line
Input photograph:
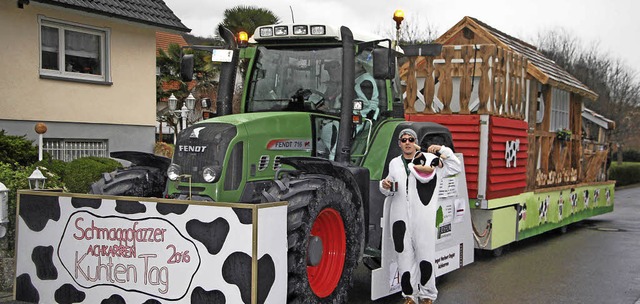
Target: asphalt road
x=596 y=261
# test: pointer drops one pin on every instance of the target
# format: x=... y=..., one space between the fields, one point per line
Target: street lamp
x=188 y=105
x=173 y=102
x=36 y=180
x=191 y=102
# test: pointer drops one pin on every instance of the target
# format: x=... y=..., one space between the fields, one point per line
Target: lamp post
x=40 y=128
x=188 y=105
x=36 y=180
x=4 y=209
x=398 y=16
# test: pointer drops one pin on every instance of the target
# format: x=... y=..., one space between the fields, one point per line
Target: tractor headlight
x=210 y=174
x=173 y=172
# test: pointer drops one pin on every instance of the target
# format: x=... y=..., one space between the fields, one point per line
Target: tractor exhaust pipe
x=227 y=82
x=343 y=154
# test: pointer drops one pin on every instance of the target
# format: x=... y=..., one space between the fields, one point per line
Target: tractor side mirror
x=186 y=67
x=384 y=66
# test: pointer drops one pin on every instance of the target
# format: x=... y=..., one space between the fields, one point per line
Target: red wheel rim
x=324 y=277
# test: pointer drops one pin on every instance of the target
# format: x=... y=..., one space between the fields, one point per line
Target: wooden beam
x=532 y=149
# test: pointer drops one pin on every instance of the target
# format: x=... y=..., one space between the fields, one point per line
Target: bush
x=17 y=150
x=625 y=174
x=15 y=178
x=163 y=149
x=56 y=167
x=82 y=172
x=631 y=155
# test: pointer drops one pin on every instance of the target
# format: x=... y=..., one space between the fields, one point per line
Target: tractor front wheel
x=325 y=233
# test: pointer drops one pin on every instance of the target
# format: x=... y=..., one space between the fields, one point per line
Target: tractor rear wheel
x=324 y=234
x=141 y=181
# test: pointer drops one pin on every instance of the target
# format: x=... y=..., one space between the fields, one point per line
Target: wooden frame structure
x=483 y=71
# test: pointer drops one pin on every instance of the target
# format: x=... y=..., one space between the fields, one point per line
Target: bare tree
x=413 y=30
x=615 y=83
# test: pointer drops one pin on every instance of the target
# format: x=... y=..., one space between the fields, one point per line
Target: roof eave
x=102 y=13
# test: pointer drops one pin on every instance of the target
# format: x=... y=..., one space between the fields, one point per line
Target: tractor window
x=295 y=80
x=326 y=130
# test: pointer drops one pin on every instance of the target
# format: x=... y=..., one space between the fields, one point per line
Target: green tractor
x=320 y=115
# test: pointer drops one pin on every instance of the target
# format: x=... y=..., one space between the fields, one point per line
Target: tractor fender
x=143 y=159
x=356 y=178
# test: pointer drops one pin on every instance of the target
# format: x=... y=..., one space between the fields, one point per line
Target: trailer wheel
x=141 y=181
x=325 y=234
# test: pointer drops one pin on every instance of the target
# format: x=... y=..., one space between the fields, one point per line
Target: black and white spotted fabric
x=413 y=204
x=94 y=250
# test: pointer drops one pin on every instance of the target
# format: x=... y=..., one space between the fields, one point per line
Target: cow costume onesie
x=413 y=213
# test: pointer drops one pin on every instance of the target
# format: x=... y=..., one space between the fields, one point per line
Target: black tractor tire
x=140 y=181
x=317 y=203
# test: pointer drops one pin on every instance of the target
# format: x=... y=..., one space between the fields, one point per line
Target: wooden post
x=501 y=82
x=411 y=90
x=511 y=87
x=575 y=125
x=466 y=79
x=487 y=52
x=533 y=149
x=546 y=121
x=523 y=87
x=445 y=91
x=429 y=86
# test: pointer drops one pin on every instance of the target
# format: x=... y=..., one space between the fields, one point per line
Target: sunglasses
x=410 y=139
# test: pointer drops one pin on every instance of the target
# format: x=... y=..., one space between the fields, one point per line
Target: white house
x=85 y=68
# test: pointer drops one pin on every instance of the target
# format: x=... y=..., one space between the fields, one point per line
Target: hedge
x=15 y=178
x=625 y=174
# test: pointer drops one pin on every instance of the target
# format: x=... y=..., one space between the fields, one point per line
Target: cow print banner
x=89 y=249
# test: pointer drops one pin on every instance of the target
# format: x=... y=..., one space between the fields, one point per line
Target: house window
x=559 y=110
x=70 y=149
x=73 y=51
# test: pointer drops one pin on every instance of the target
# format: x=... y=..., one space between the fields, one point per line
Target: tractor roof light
x=266 y=31
x=398 y=16
x=243 y=39
x=300 y=30
x=281 y=30
x=318 y=30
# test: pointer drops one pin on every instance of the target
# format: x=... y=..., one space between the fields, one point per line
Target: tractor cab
x=299 y=67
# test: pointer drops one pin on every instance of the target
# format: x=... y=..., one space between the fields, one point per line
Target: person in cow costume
x=412 y=188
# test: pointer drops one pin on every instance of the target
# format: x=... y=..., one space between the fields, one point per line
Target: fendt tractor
x=319 y=118
x=322 y=149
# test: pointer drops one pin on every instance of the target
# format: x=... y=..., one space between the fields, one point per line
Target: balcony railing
x=480 y=79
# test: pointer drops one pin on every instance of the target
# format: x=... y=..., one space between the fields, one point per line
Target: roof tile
x=151 y=12
x=546 y=65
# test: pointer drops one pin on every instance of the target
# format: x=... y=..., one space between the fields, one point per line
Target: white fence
x=68 y=150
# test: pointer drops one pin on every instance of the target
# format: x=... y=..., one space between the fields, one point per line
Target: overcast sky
x=612 y=24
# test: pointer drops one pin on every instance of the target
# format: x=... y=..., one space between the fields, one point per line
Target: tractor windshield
x=296 y=80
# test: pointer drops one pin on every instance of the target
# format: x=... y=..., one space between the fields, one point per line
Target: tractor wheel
x=141 y=181
x=324 y=234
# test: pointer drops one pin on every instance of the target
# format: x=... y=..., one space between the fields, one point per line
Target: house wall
x=128 y=103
